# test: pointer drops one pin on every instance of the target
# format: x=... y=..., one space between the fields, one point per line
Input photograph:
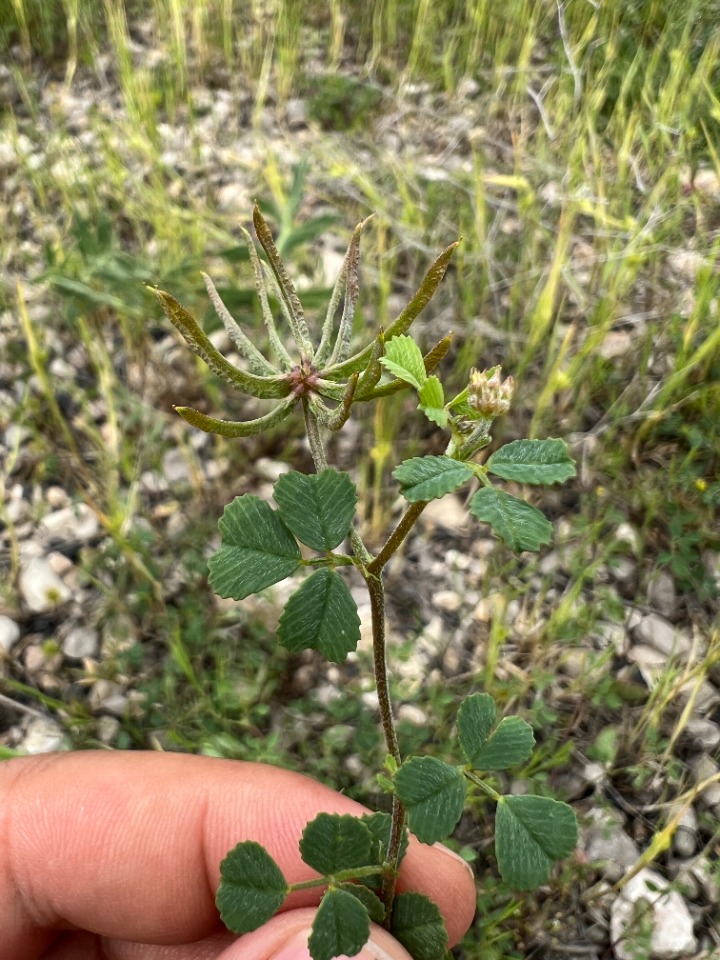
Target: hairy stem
x=371 y=570
x=312 y=428
x=397 y=536
x=376 y=589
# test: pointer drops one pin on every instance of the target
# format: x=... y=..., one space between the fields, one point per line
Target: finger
x=285 y=937
x=128 y=845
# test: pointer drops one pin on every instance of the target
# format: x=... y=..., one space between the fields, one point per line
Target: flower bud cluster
x=488 y=394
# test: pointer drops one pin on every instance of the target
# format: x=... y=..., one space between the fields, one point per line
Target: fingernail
x=455 y=856
x=296 y=949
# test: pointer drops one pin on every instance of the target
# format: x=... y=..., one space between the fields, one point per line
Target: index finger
x=128 y=845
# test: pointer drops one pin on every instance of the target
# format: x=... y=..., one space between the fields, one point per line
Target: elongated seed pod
x=258 y=363
x=403 y=321
x=250 y=383
x=241 y=428
x=287 y=290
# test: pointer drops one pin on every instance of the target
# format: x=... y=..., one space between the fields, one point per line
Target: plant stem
x=397 y=536
x=342 y=876
x=376 y=589
x=371 y=570
x=312 y=429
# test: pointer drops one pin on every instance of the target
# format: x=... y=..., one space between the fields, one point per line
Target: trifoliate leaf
x=371 y=901
x=257 y=549
x=434 y=795
x=317 y=507
x=519 y=524
x=252 y=888
x=475 y=720
x=418 y=924
x=333 y=842
x=404 y=358
x=533 y=461
x=428 y=478
x=341 y=926
x=510 y=743
x=321 y=615
x=530 y=834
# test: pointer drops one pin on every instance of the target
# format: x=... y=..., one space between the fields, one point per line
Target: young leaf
x=533 y=461
x=341 y=926
x=429 y=478
x=432 y=400
x=372 y=903
x=431 y=393
x=509 y=744
x=475 y=720
x=519 y=524
x=433 y=793
x=317 y=507
x=252 y=888
x=321 y=615
x=404 y=358
x=531 y=833
x=257 y=549
x=418 y=924
x=333 y=842
x=380 y=825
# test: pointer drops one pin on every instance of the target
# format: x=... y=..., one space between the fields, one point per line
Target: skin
x=115 y=856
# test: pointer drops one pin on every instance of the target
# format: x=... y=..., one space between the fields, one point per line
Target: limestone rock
x=607 y=845
x=9 y=633
x=42 y=736
x=644 y=909
x=656 y=632
x=40 y=587
x=661 y=593
x=81 y=642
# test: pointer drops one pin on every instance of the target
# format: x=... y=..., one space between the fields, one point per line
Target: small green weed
x=261 y=547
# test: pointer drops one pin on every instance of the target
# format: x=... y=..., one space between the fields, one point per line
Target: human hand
x=115 y=856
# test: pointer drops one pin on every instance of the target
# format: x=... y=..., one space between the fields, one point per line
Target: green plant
x=341 y=103
x=357 y=859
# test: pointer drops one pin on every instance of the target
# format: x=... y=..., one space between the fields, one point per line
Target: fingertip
x=285 y=937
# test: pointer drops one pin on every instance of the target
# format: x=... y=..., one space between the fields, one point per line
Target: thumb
x=285 y=937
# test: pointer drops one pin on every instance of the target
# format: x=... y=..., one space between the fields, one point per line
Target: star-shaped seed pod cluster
x=316 y=374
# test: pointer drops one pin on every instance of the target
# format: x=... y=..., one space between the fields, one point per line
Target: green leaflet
x=317 y=507
x=333 y=842
x=433 y=793
x=404 y=358
x=533 y=461
x=418 y=924
x=431 y=477
x=321 y=615
x=257 y=549
x=530 y=834
x=252 y=888
x=341 y=926
x=520 y=525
